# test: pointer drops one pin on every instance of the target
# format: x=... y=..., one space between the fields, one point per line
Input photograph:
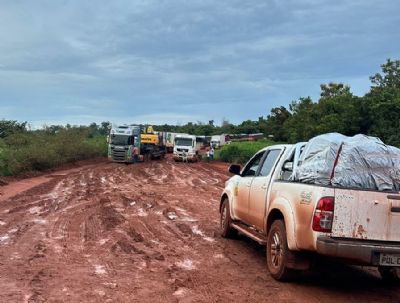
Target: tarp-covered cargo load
x=351 y=162
x=316 y=161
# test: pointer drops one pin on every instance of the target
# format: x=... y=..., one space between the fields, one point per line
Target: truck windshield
x=121 y=140
x=183 y=141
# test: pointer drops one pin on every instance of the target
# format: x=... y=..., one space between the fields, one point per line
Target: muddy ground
x=147 y=232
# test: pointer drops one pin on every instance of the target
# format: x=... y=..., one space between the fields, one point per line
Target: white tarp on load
x=362 y=162
x=316 y=160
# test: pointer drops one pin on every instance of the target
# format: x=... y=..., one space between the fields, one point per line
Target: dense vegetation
x=23 y=150
x=240 y=152
x=377 y=113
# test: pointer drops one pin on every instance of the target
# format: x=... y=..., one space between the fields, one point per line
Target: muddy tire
x=225 y=221
x=278 y=252
x=389 y=274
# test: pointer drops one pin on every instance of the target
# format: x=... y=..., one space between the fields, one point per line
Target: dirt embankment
x=145 y=233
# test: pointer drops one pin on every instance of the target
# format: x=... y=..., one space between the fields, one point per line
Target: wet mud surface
x=147 y=232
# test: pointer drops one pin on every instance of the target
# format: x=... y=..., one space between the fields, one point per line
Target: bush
x=41 y=150
x=241 y=152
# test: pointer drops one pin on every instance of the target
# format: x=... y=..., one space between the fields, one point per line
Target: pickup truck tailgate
x=366 y=215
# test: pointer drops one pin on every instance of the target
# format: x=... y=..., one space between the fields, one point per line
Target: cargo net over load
x=350 y=162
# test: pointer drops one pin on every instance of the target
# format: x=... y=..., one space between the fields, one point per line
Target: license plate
x=389 y=260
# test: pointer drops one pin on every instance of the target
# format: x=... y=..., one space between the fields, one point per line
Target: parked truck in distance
x=123 y=138
x=218 y=141
x=298 y=220
x=185 y=147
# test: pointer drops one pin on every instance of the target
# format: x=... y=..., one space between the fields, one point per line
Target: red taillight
x=323 y=215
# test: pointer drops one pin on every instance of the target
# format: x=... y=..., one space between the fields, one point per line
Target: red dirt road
x=146 y=233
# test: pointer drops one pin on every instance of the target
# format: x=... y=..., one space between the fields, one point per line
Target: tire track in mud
x=146 y=232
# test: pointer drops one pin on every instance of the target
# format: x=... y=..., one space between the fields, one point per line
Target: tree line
x=22 y=149
x=377 y=113
x=11 y=127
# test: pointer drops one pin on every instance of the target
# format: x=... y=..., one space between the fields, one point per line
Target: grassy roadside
x=241 y=152
x=37 y=151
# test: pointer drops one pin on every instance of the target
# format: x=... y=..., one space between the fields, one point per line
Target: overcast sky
x=178 y=61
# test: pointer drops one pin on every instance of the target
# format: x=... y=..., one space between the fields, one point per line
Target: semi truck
x=218 y=141
x=185 y=146
x=123 y=138
x=296 y=220
x=170 y=140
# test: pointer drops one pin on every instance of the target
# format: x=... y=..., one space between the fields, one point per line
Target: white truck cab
x=218 y=141
x=121 y=140
x=185 y=148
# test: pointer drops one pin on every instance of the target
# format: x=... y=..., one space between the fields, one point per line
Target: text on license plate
x=389 y=260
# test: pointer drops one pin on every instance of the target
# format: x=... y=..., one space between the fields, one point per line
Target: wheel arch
x=281 y=210
x=275 y=214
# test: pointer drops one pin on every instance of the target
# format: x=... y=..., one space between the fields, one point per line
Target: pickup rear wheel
x=389 y=274
x=278 y=252
x=225 y=221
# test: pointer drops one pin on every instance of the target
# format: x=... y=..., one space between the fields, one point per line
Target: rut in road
x=107 y=227
x=137 y=233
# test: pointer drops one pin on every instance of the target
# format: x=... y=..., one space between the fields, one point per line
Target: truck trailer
x=218 y=141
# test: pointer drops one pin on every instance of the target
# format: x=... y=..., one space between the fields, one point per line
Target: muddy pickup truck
x=297 y=221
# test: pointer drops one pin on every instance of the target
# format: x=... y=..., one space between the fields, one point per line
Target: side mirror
x=234 y=169
x=287 y=166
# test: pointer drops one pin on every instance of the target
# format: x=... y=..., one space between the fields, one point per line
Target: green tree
x=301 y=125
x=332 y=90
x=338 y=110
x=275 y=122
x=104 y=128
x=390 y=77
x=384 y=103
x=248 y=127
x=9 y=127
